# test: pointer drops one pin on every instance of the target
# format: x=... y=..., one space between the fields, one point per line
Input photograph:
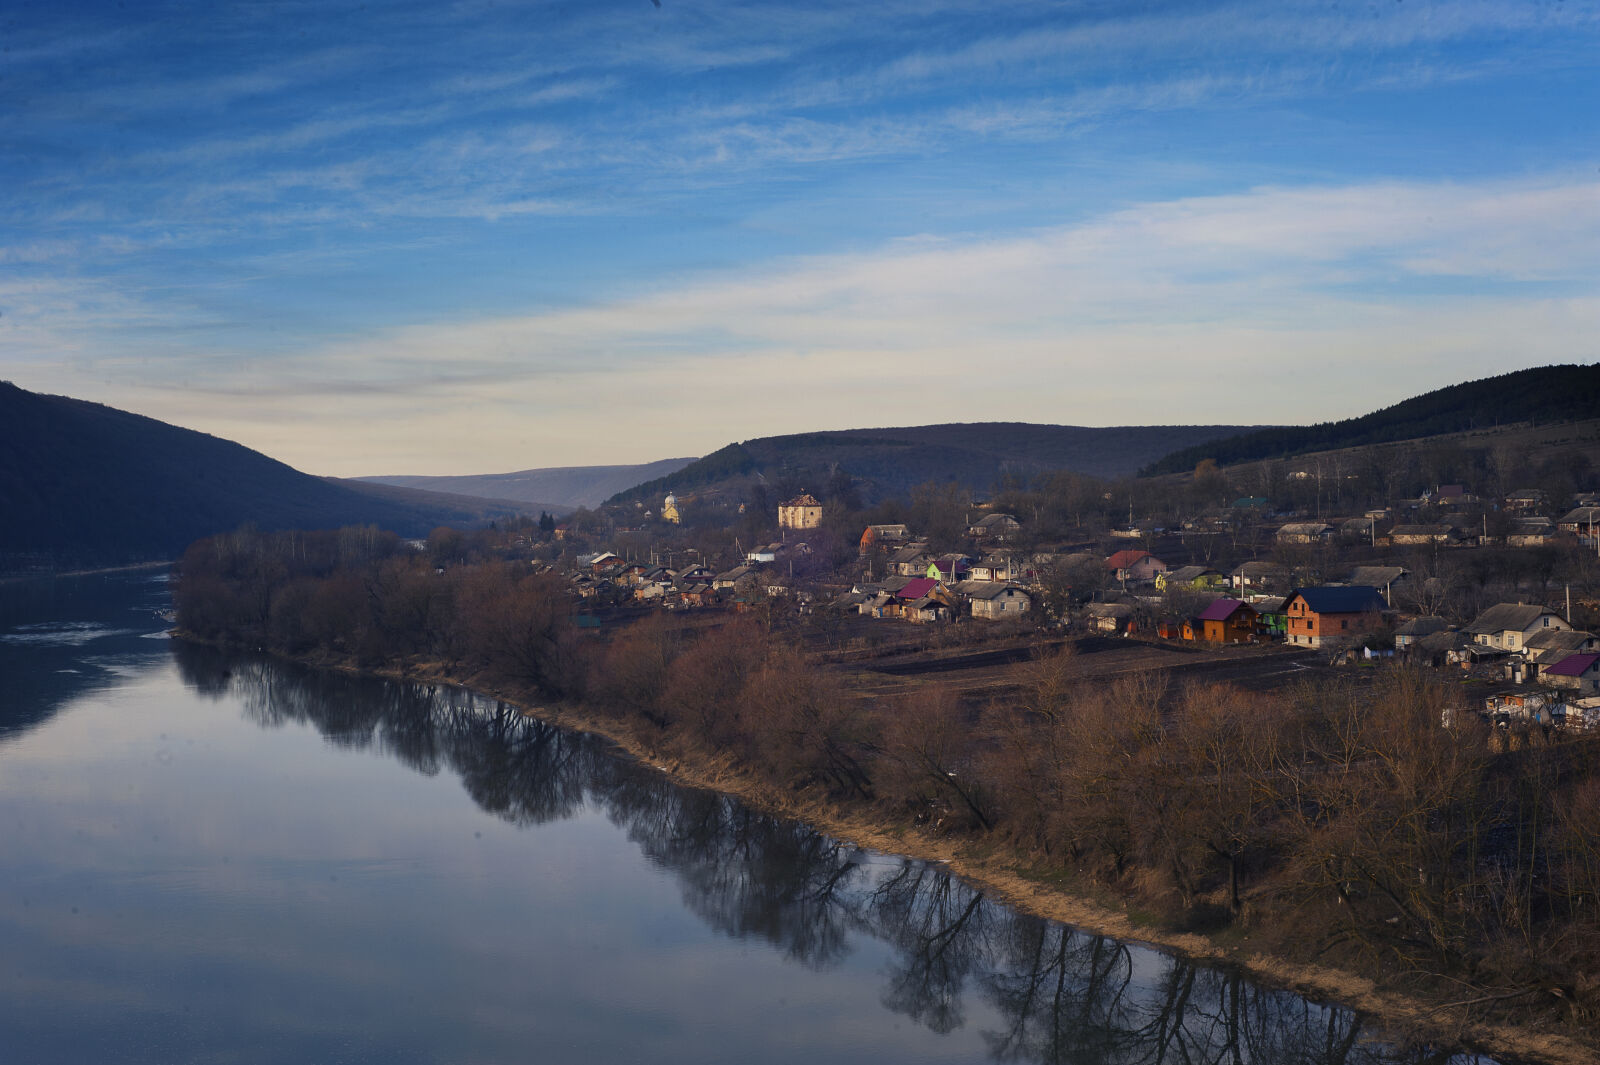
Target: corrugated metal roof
x=1222 y=609
x=1573 y=665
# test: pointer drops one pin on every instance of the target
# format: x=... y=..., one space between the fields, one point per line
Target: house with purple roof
x=1228 y=621
x=1578 y=672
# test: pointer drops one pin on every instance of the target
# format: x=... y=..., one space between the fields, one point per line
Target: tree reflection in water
x=1062 y=995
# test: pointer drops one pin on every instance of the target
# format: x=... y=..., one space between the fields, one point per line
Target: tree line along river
x=214 y=857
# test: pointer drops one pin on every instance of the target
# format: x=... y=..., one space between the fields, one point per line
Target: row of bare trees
x=1353 y=821
x=1367 y=823
x=359 y=595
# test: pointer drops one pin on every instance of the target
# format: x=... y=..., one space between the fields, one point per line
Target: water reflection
x=62 y=638
x=1060 y=995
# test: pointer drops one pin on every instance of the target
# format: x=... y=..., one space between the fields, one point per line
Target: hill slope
x=1543 y=394
x=892 y=461
x=559 y=487
x=86 y=484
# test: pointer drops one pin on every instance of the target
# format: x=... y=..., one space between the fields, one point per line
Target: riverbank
x=1007 y=876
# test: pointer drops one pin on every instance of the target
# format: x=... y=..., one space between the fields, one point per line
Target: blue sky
x=399 y=237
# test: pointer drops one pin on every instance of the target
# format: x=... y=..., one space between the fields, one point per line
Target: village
x=1382 y=584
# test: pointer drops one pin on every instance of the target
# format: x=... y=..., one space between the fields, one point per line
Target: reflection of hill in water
x=63 y=638
x=1063 y=995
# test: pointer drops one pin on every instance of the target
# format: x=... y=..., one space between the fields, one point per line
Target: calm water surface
x=207 y=858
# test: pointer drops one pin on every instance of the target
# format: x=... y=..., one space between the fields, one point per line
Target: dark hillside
x=86 y=484
x=979 y=455
x=1541 y=395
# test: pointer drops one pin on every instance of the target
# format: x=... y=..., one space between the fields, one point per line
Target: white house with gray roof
x=1508 y=625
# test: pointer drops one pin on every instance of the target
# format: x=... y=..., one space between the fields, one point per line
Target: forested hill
x=889 y=462
x=86 y=484
x=1541 y=395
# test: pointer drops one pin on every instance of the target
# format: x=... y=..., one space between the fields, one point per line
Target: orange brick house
x=1315 y=616
x=1228 y=621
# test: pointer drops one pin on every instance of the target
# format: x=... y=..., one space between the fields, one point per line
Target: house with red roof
x=1135 y=566
x=916 y=588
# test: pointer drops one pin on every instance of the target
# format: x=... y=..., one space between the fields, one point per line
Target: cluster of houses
x=1526 y=523
x=1530 y=646
x=1557 y=667
x=611 y=578
x=919 y=585
x=1554 y=667
x=915 y=584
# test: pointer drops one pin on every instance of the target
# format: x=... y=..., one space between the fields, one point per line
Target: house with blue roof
x=1330 y=613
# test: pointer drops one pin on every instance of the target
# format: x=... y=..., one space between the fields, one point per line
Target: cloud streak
x=1154 y=308
x=444 y=230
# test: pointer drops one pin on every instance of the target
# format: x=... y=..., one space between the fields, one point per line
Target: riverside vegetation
x=1365 y=829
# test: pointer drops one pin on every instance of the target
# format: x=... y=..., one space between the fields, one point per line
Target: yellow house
x=801 y=512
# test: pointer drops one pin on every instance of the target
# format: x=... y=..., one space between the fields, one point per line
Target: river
x=220 y=858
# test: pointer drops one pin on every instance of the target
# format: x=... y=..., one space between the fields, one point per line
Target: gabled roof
x=1272 y=604
x=1422 y=627
x=1223 y=609
x=1340 y=599
x=993 y=590
x=1508 y=616
x=1570 y=640
x=1376 y=576
x=1573 y=666
x=1186 y=574
x=1126 y=557
x=916 y=588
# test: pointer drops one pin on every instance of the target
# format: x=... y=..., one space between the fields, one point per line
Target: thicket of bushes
x=1348 y=824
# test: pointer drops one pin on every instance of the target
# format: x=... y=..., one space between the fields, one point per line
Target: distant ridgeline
x=86 y=484
x=1542 y=395
x=891 y=461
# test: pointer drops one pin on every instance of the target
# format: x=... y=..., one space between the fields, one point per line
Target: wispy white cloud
x=173 y=207
x=1158 y=308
